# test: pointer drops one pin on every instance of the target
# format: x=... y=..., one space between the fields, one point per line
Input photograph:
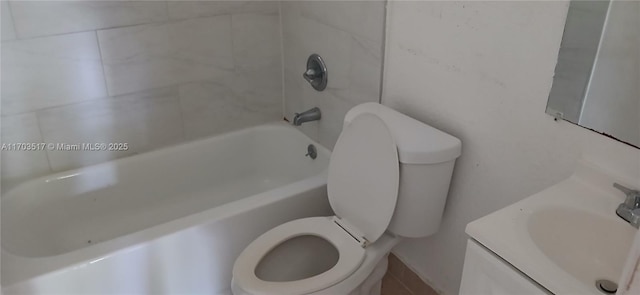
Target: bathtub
x=167 y=221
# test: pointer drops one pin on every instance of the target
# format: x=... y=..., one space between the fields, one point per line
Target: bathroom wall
x=146 y=73
x=349 y=37
x=482 y=71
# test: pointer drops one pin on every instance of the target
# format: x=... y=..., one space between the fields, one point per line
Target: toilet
x=388 y=179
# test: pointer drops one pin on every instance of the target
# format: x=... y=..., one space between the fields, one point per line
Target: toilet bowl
x=350 y=258
x=374 y=207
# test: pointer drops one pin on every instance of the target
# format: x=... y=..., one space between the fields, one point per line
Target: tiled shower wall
x=349 y=36
x=146 y=73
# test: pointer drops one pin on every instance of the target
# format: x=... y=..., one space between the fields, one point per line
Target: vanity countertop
x=565 y=237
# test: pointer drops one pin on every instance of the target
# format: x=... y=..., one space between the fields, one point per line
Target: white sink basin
x=565 y=237
x=583 y=244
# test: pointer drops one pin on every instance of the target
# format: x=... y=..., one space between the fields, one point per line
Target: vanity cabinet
x=485 y=273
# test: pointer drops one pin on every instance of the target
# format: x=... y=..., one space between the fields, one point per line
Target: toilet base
x=373 y=284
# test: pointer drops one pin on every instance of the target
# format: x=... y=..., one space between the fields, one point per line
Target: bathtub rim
x=15 y=189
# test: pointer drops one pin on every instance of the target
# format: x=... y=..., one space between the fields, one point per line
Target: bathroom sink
x=583 y=244
x=566 y=238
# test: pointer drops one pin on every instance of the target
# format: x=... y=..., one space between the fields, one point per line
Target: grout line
x=400 y=282
x=282 y=70
x=384 y=50
x=166 y=21
x=182 y=115
x=106 y=97
x=46 y=152
x=404 y=267
x=166 y=9
x=104 y=73
x=54 y=106
x=415 y=273
x=76 y=32
x=233 y=45
x=13 y=21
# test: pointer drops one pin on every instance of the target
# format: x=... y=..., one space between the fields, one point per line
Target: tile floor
x=400 y=280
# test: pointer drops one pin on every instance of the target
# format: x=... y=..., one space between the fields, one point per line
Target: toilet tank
x=427 y=156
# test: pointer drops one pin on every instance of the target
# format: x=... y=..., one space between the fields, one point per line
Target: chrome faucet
x=306 y=116
x=630 y=209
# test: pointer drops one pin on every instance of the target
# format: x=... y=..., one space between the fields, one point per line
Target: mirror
x=597 y=78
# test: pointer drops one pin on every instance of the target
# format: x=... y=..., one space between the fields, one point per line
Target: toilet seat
x=351 y=255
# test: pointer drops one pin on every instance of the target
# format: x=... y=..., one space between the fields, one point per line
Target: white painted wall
x=482 y=71
x=612 y=102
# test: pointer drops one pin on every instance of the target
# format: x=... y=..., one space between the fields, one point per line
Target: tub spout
x=306 y=116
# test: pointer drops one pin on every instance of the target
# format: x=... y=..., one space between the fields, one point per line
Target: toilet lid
x=364 y=176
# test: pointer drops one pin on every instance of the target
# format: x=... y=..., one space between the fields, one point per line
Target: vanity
x=566 y=239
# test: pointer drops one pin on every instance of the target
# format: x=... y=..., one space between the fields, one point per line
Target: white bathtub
x=168 y=221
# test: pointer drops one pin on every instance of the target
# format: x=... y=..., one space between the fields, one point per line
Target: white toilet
x=388 y=178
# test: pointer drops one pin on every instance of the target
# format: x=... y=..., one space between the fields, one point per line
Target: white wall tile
x=345 y=35
x=332 y=44
x=224 y=82
x=20 y=165
x=146 y=121
x=259 y=88
x=8 y=30
x=151 y=56
x=333 y=110
x=50 y=71
x=258 y=58
x=364 y=73
x=294 y=53
x=41 y=18
x=296 y=102
x=295 y=59
x=363 y=18
x=256 y=39
x=190 y=9
x=212 y=108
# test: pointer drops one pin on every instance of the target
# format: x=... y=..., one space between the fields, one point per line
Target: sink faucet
x=306 y=116
x=630 y=209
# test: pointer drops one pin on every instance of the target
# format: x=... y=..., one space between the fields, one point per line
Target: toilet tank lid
x=418 y=143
